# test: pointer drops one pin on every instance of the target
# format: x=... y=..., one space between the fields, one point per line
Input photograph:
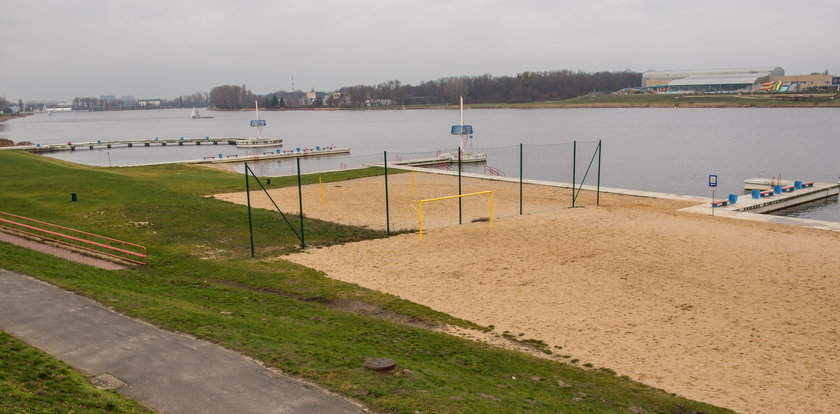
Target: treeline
x=524 y=87
x=198 y=99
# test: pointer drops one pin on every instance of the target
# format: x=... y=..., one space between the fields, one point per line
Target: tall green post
x=574 y=169
x=521 y=174
x=387 y=213
x=598 y=193
x=300 y=200
x=459 y=187
x=248 y=197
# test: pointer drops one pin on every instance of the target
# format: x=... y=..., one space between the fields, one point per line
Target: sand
x=361 y=202
x=735 y=313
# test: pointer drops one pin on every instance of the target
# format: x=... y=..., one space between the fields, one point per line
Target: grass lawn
x=201 y=281
x=759 y=100
x=34 y=382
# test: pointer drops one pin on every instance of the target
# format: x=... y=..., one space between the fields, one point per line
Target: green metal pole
x=248 y=196
x=574 y=178
x=598 y=193
x=521 y=169
x=387 y=212
x=300 y=200
x=460 y=218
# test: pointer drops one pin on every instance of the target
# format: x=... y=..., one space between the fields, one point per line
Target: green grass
x=34 y=382
x=201 y=281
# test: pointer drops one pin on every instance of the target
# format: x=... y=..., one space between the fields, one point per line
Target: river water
x=664 y=150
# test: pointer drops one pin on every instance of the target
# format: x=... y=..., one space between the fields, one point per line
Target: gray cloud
x=60 y=49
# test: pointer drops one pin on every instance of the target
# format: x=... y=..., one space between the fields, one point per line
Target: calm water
x=665 y=150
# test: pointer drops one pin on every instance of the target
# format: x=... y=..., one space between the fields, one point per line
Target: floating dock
x=444 y=158
x=764 y=196
x=73 y=146
x=781 y=195
x=305 y=152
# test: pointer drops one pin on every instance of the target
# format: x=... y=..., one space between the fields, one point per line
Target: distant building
x=710 y=81
x=805 y=81
x=310 y=97
x=150 y=103
x=107 y=98
x=128 y=101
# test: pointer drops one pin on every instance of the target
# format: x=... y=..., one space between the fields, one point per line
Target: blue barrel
x=756 y=193
x=317 y=148
x=733 y=198
x=297 y=149
x=797 y=185
x=777 y=189
x=220 y=155
x=278 y=150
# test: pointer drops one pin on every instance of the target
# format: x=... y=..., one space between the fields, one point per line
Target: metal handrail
x=99 y=244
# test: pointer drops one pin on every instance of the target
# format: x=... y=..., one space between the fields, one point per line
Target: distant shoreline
x=619 y=101
x=8 y=117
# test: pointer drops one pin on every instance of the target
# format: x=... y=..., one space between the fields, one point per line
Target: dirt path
x=738 y=314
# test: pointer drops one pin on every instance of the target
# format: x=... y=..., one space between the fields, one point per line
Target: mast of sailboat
x=259 y=127
x=463 y=136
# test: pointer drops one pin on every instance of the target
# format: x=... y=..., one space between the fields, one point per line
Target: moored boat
x=258 y=142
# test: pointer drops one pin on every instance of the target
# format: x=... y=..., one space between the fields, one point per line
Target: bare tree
x=454 y=88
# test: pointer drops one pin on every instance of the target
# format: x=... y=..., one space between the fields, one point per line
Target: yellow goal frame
x=420 y=206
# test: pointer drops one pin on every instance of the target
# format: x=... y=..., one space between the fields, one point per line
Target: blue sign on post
x=258 y=122
x=712 y=180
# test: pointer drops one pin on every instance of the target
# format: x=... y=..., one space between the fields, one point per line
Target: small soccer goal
x=479 y=194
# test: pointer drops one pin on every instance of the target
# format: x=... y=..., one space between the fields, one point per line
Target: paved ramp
x=165 y=371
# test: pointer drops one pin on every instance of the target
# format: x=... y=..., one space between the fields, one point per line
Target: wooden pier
x=98 y=144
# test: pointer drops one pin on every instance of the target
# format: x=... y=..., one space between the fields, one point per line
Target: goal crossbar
x=420 y=206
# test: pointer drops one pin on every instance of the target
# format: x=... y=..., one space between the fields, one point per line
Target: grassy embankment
x=201 y=281
x=34 y=382
x=669 y=101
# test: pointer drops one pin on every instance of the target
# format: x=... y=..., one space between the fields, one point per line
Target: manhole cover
x=380 y=364
x=106 y=382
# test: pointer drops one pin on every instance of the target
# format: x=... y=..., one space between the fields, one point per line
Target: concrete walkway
x=165 y=371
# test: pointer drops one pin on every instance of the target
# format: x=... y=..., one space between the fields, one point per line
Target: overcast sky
x=150 y=48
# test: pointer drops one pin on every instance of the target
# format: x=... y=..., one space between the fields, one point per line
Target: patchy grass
x=756 y=100
x=34 y=382
x=201 y=281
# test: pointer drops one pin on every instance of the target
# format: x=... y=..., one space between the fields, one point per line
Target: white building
x=710 y=81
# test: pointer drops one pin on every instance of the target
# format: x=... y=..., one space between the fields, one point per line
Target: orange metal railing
x=77 y=239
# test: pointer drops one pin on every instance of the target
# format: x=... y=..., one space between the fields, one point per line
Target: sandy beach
x=736 y=313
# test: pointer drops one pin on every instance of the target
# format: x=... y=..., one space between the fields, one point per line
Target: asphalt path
x=165 y=371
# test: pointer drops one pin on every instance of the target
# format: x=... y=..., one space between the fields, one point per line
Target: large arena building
x=710 y=81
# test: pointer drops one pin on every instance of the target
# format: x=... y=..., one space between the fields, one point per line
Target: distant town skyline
x=53 y=50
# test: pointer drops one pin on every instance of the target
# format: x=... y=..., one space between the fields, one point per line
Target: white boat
x=196 y=115
x=258 y=142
